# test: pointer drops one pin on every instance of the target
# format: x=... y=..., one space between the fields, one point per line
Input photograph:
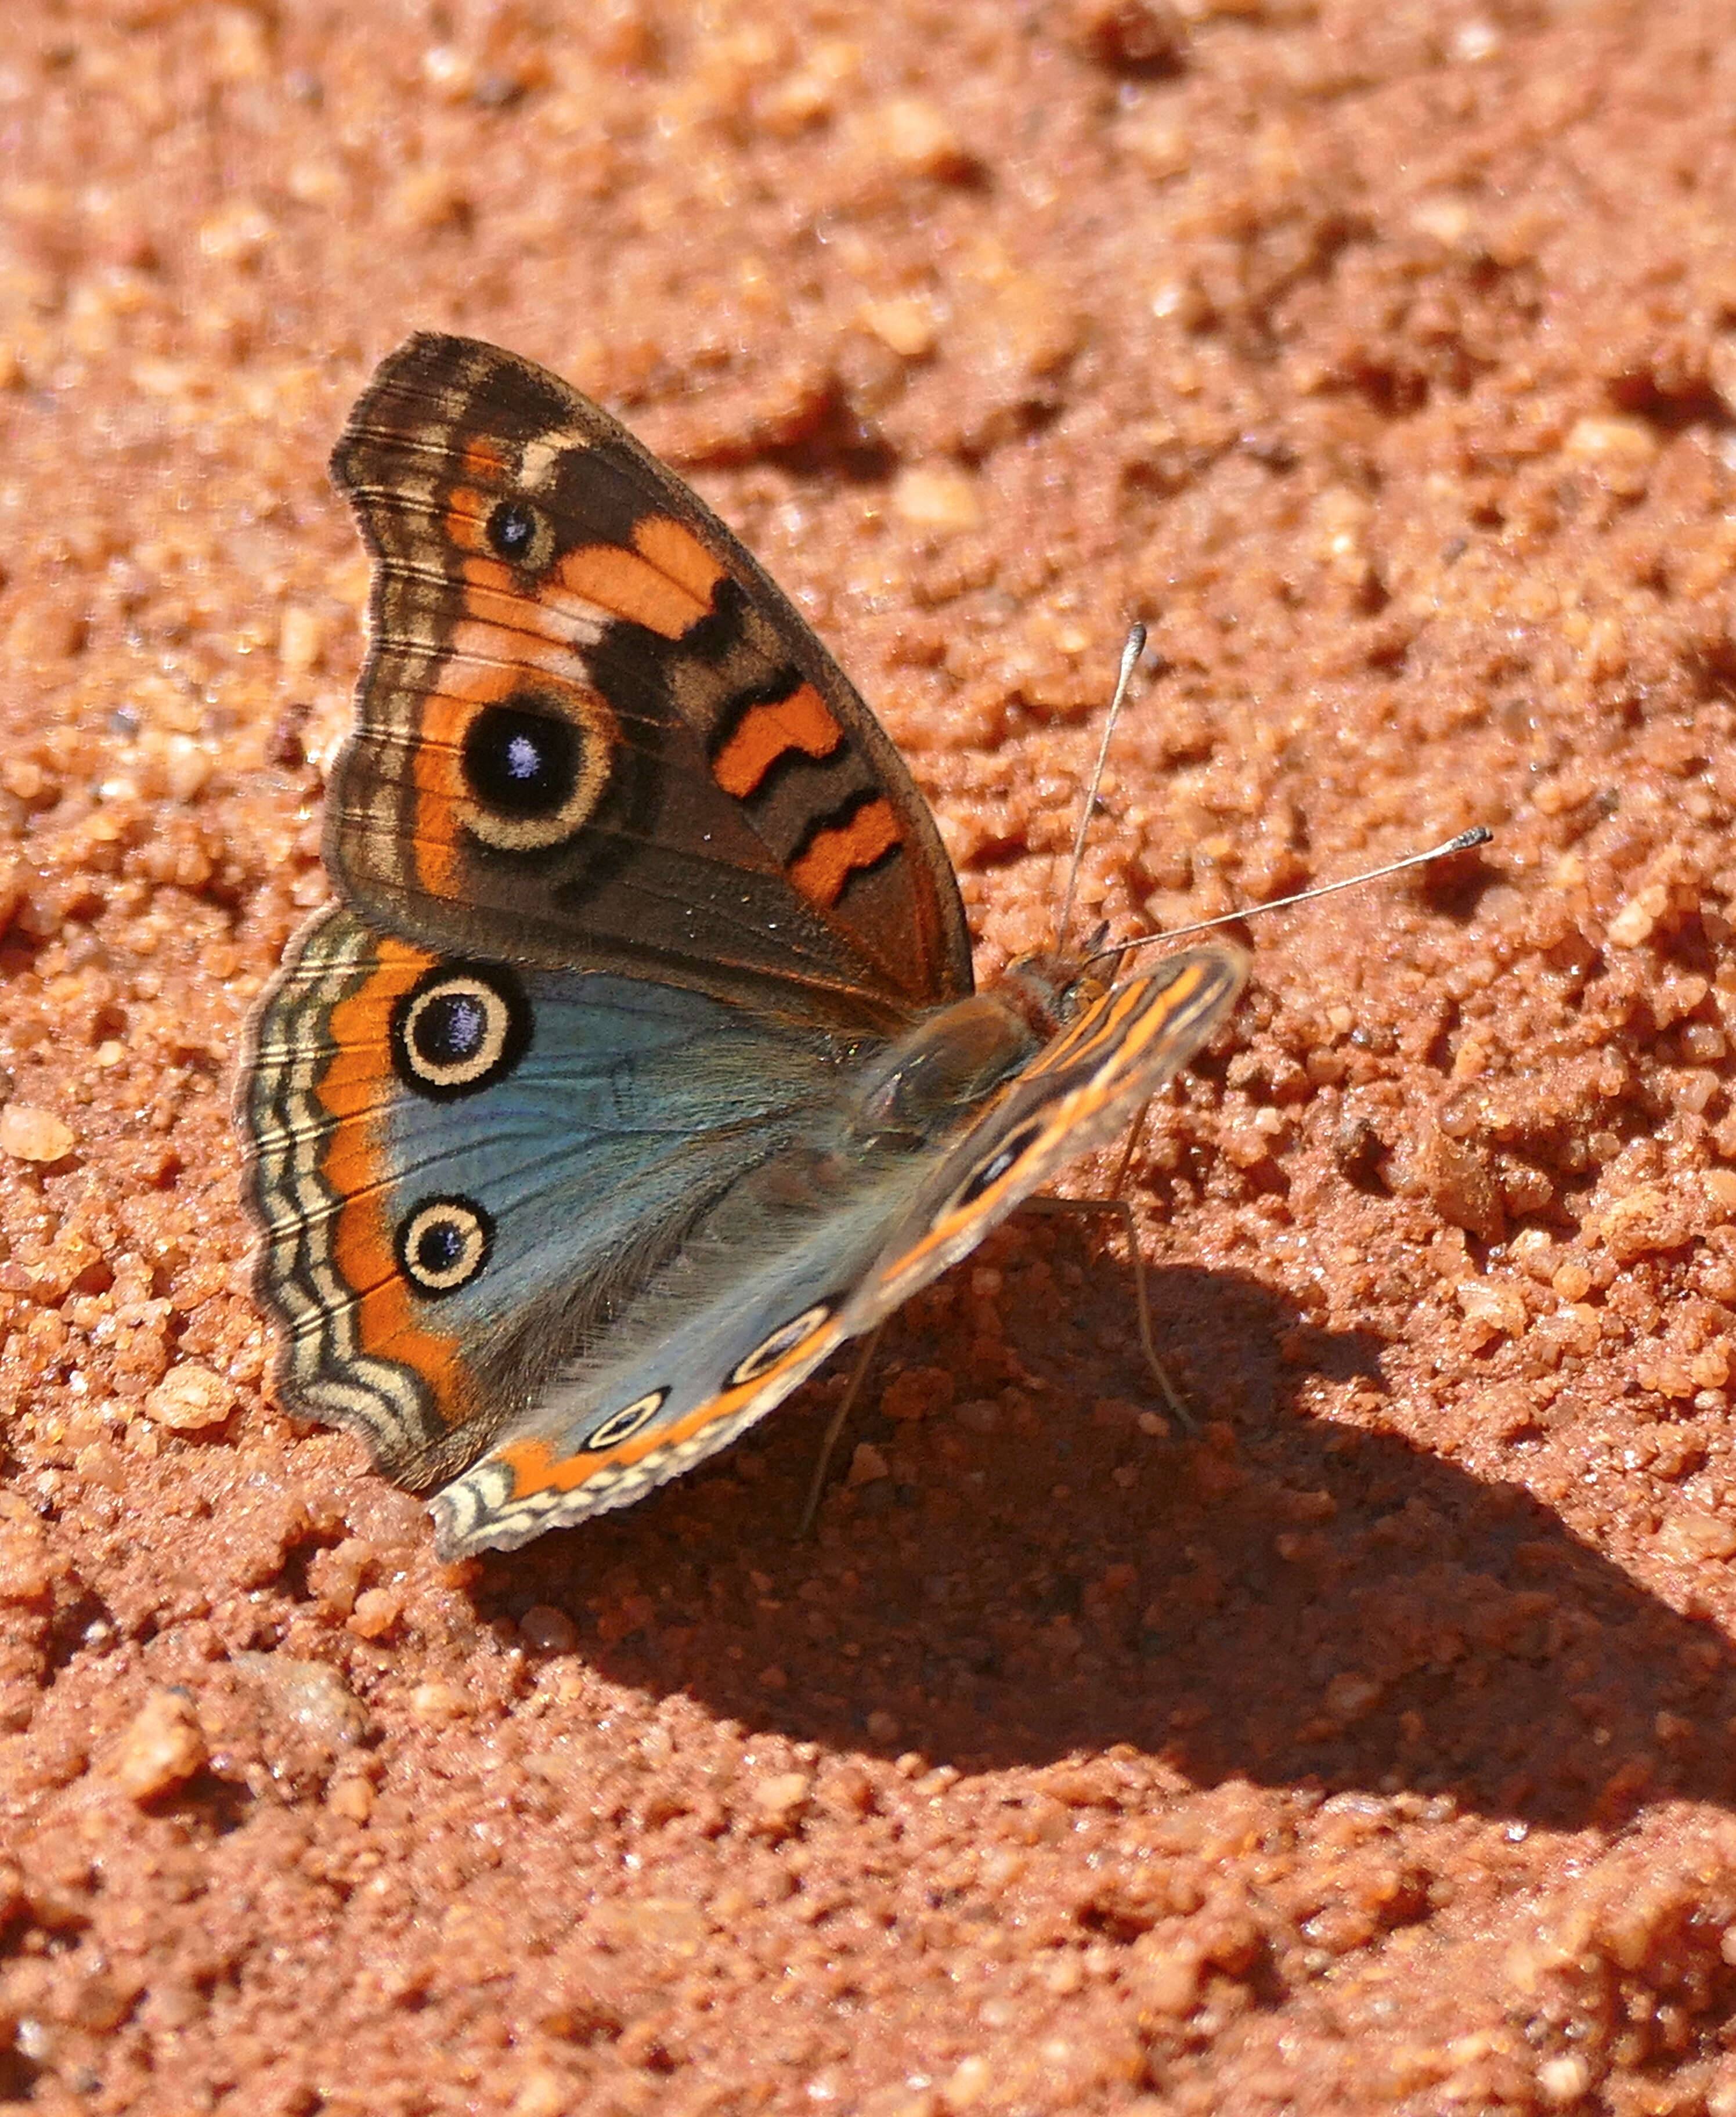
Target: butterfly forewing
x=594 y=734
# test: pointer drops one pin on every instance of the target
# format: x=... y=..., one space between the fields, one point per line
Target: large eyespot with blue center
x=521 y=534
x=990 y=1171
x=769 y=1351
x=460 y=1028
x=535 y=765
x=623 y=1424
x=443 y=1243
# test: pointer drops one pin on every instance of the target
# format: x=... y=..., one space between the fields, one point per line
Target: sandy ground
x=1372 y=1749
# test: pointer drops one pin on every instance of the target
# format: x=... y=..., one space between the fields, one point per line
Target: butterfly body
x=641 y=1065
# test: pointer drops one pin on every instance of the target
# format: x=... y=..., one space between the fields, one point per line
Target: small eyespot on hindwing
x=458 y=1030
x=443 y=1243
x=623 y=1424
x=767 y=1353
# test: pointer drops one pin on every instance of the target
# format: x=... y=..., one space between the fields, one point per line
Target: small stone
x=908 y=326
x=1349 y=1695
x=1571 y=1281
x=34 y=1135
x=783 y=1794
x=163 y=1747
x=1710 y=1370
x=438 y=1701
x=1695 y=1533
x=971 y=2080
x=1650 y=1218
x=548 y=1629
x=351 y=1798
x=1459 y=1181
x=1634 y=922
x=377 y=1610
x=917 y=137
x=1490 y=1305
x=301 y=637
x=190 y=1397
x=312 y=1694
x=542 y=2094
x=978 y=1414
x=932 y=498
x=1166 y=1980
x=1145 y=37
x=1621 y=450
x=867 y=1464
x=1065 y=1975
x=1564 y=2080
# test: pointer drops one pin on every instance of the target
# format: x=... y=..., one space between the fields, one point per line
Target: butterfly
x=639 y=1063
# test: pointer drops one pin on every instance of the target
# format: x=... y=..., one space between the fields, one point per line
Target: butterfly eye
x=460 y=1030
x=443 y=1243
x=517 y=533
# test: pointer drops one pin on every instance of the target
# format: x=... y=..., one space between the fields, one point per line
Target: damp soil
x=1370 y=1746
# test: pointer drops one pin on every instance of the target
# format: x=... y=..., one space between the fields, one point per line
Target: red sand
x=1370 y=1751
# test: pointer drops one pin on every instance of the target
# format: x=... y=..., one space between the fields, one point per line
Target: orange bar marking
x=536 y=1468
x=626 y=585
x=677 y=551
x=467 y=514
x=389 y=1327
x=483 y=459
x=835 y=854
x=766 y=733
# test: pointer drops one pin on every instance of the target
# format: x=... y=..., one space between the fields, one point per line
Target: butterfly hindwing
x=463 y=1171
x=791 y=1267
x=592 y=733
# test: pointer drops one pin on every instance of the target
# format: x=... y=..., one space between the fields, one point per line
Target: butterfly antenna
x=1130 y=654
x=1479 y=834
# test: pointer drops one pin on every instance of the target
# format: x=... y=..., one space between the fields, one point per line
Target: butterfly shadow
x=1023 y=1563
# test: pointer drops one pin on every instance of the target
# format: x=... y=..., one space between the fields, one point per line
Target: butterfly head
x=1050 y=988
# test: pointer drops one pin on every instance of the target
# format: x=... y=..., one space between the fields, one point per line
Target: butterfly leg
x=1135 y=1133
x=835 y=1428
x=1123 y=1212
x=1172 y=1396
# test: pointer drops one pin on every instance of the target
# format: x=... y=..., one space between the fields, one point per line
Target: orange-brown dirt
x=1371 y=1749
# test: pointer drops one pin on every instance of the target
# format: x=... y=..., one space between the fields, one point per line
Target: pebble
x=867 y=1465
x=548 y=1630
x=189 y=1398
x=34 y=1135
x=782 y=1793
x=945 y=499
x=162 y=1747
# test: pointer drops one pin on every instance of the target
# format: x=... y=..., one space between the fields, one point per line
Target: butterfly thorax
x=943 y=1071
x=938 y=1073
